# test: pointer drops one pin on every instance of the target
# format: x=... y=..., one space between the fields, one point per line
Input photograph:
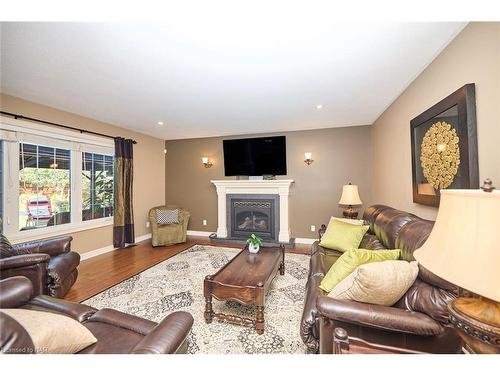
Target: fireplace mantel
x=280 y=187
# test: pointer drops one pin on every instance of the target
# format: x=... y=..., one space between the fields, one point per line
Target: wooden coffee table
x=245 y=279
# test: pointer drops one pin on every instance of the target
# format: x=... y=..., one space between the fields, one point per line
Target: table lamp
x=464 y=249
x=350 y=197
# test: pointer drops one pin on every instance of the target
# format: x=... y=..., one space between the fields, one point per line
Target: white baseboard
x=198 y=233
x=305 y=241
x=107 y=249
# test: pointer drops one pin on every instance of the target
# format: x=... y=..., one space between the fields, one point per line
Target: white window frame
x=12 y=132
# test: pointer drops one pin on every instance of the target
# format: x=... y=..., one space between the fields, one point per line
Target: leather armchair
x=168 y=234
x=49 y=264
x=116 y=332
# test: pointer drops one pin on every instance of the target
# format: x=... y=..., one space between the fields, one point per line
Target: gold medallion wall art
x=444 y=147
x=439 y=155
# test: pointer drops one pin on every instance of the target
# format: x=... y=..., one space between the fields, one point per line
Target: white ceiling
x=219 y=75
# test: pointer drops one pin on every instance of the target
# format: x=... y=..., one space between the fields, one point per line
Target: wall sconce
x=308 y=156
x=205 y=162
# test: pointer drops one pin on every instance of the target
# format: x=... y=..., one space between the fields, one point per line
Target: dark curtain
x=123 y=229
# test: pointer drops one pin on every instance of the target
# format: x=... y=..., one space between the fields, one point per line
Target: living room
x=172 y=187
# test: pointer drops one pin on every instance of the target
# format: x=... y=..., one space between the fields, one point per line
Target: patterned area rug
x=177 y=284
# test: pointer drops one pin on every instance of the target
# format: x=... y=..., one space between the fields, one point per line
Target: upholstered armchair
x=49 y=264
x=168 y=233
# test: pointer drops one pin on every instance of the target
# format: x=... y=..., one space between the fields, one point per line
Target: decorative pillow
x=52 y=333
x=349 y=221
x=6 y=249
x=379 y=283
x=350 y=260
x=342 y=236
x=167 y=216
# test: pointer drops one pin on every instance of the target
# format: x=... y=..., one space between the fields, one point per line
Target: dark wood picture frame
x=464 y=99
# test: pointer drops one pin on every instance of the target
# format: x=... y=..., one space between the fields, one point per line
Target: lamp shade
x=350 y=196
x=463 y=247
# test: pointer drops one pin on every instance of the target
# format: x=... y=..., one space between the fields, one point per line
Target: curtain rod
x=17 y=116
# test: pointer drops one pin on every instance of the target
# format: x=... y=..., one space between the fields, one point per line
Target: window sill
x=43 y=233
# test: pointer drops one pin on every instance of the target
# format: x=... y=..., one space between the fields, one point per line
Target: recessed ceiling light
x=319 y=106
x=160 y=122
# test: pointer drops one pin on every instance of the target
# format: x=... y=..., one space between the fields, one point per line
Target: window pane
x=44 y=186
x=97 y=186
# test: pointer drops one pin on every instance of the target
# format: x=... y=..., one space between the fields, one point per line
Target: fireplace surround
x=279 y=190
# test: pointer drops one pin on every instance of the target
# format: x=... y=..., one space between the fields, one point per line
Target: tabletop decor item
x=254 y=243
x=444 y=147
x=350 y=197
x=466 y=234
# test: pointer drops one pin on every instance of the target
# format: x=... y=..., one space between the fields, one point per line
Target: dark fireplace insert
x=249 y=214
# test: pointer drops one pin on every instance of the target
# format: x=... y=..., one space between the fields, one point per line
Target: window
x=44 y=186
x=97 y=186
x=53 y=181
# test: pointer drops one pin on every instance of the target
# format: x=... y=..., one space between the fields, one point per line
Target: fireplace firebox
x=250 y=213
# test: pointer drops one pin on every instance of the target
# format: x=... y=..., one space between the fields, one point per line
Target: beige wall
x=149 y=171
x=341 y=155
x=473 y=57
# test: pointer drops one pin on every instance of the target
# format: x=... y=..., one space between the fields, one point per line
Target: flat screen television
x=255 y=156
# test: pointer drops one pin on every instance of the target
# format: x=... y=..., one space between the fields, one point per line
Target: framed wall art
x=444 y=147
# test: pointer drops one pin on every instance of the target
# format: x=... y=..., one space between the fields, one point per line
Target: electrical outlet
x=147 y=224
x=204 y=222
x=313 y=228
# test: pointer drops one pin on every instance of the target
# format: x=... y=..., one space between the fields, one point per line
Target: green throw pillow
x=343 y=236
x=350 y=260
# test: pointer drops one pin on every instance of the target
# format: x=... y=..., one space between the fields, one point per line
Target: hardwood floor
x=103 y=271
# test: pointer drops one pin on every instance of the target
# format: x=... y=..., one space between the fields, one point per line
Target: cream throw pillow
x=52 y=333
x=379 y=283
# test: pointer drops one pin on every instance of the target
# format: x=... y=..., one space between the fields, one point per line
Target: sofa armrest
x=75 y=310
x=61 y=266
x=168 y=336
x=24 y=260
x=15 y=291
x=51 y=246
x=375 y=316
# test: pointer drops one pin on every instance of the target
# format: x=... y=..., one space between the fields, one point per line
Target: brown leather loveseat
x=418 y=322
x=116 y=332
x=49 y=264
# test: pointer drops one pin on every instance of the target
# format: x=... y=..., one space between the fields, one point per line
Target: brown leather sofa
x=116 y=332
x=49 y=264
x=418 y=323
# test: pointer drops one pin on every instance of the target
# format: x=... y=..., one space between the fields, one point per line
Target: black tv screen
x=255 y=156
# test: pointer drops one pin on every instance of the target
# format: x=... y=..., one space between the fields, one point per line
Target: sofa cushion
x=167 y=216
x=350 y=260
x=342 y=236
x=371 y=242
x=52 y=333
x=379 y=283
x=427 y=299
x=389 y=223
x=322 y=259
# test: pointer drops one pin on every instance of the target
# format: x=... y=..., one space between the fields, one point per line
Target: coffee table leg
x=282 y=265
x=209 y=313
x=259 y=323
x=207 y=291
